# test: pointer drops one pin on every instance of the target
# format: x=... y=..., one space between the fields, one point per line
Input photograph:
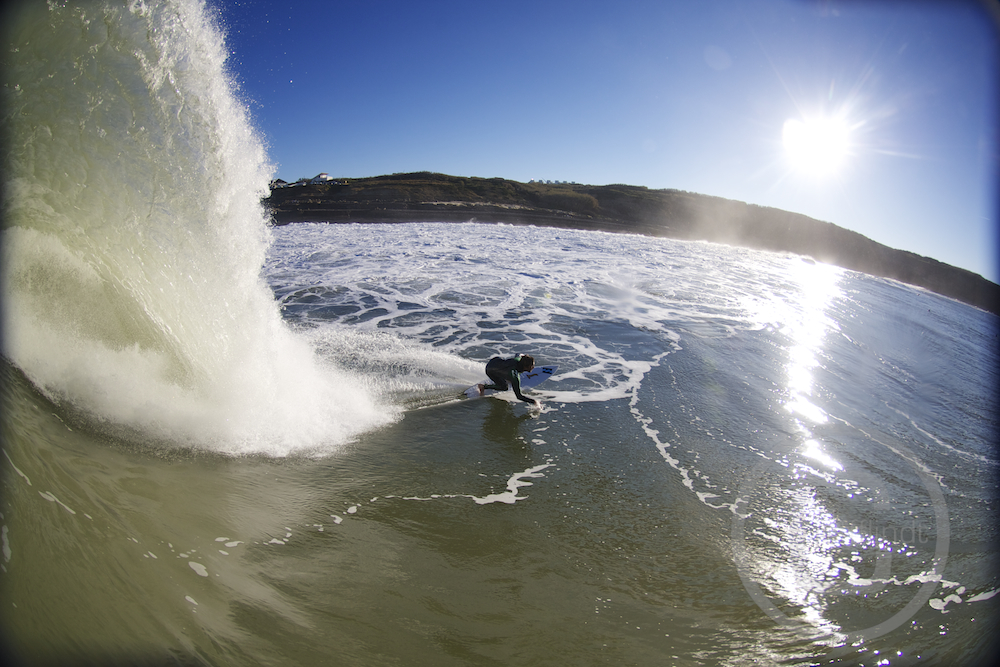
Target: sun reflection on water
x=826 y=542
x=813 y=450
x=804 y=320
x=798 y=522
x=807 y=326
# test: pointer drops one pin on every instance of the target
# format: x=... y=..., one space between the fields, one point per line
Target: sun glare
x=816 y=147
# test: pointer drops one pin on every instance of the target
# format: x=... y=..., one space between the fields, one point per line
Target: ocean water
x=225 y=443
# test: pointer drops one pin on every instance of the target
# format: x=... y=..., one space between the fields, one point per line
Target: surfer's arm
x=516 y=383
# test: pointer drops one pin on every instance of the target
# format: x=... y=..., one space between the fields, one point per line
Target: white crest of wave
x=134 y=237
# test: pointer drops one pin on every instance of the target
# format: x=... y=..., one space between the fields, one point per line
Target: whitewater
x=231 y=443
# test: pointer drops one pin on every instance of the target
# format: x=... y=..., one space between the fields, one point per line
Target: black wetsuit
x=502 y=371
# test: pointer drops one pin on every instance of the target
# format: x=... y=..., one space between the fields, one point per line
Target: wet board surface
x=532 y=378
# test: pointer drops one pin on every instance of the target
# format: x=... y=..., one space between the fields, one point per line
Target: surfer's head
x=525 y=362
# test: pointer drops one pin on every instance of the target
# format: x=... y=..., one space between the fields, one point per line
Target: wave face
x=133 y=238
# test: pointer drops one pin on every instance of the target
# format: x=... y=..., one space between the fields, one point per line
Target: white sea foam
x=16 y=469
x=470 y=292
x=514 y=484
x=52 y=499
x=134 y=239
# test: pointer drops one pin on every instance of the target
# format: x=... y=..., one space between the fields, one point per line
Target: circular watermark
x=879 y=579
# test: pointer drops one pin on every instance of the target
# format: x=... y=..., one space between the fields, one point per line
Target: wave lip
x=134 y=237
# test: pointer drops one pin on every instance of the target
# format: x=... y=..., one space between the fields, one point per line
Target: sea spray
x=133 y=238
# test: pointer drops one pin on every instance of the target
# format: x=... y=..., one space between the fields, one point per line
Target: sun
x=816 y=146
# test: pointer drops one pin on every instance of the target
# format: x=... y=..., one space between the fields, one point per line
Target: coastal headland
x=432 y=197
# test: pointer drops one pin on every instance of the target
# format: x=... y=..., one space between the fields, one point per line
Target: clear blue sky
x=895 y=103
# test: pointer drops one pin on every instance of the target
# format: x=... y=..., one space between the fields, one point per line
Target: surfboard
x=532 y=378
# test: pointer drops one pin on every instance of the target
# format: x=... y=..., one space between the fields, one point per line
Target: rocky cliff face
x=427 y=197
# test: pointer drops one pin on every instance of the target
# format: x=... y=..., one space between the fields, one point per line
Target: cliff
x=429 y=197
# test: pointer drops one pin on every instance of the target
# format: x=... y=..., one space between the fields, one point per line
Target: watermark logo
x=882 y=537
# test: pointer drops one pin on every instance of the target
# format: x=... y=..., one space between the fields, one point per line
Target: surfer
x=502 y=371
